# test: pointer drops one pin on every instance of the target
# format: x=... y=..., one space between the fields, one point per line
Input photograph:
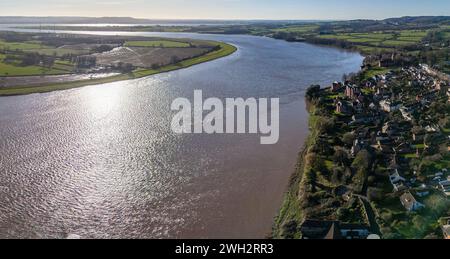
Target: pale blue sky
x=227 y=9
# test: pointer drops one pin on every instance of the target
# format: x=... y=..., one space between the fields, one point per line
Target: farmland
x=8 y=69
x=148 y=57
x=157 y=43
x=39 y=47
x=12 y=54
x=379 y=39
x=298 y=29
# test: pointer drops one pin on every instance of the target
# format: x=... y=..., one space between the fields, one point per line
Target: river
x=101 y=161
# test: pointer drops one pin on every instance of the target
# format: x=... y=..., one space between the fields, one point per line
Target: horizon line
x=215 y=19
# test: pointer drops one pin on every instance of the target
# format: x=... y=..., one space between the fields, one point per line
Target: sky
x=228 y=9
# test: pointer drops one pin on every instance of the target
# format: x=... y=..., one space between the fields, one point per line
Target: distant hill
x=98 y=20
x=22 y=20
x=419 y=19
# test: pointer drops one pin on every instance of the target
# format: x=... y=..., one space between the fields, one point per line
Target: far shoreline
x=224 y=51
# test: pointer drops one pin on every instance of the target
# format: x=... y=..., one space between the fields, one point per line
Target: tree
x=374 y=194
x=348 y=138
x=336 y=175
x=340 y=156
x=419 y=223
x=362 y=160
x=48 y=62
x=313 y=92
x=343 y=213
x=417 y=130
x=31 y=59
x=289 y=229
x=325 y=124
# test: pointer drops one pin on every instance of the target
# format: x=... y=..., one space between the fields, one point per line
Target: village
x=399 y=122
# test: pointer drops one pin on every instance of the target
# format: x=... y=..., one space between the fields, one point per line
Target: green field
x=374 y=41
x=298 y=29
x=20 y=46
x=63 y=65
x=157 y=44
x=15 y=70
x=225 y=50
x=37 y=47
x=368 y=49
x=397 y=43
x=375 y=71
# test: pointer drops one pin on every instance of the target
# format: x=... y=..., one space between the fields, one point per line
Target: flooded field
x=146 y=57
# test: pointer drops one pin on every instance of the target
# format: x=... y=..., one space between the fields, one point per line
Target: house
x=410 y=203
x=403 y=148
x=432 y=128
x=354 y=231
x=358 y=145
x=445 y=187
x=397 y=181
x=336 y=87
x=446 y=231
x=381 y=136
x=389 y=129
x=333 y=232
x=358 y=106
x=389 y=106
x=352 y=91
x=406 y=114
x=341 y=107
x=363 y=118
x=318 y=229
x=385 y=145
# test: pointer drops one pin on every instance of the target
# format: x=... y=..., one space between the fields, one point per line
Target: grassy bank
x=291 y=212
x=225 y=50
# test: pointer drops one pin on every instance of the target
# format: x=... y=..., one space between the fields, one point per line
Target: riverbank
x=291 y=211
x=225 y=50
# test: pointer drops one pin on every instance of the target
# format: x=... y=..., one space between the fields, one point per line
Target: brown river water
x=102 y=162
